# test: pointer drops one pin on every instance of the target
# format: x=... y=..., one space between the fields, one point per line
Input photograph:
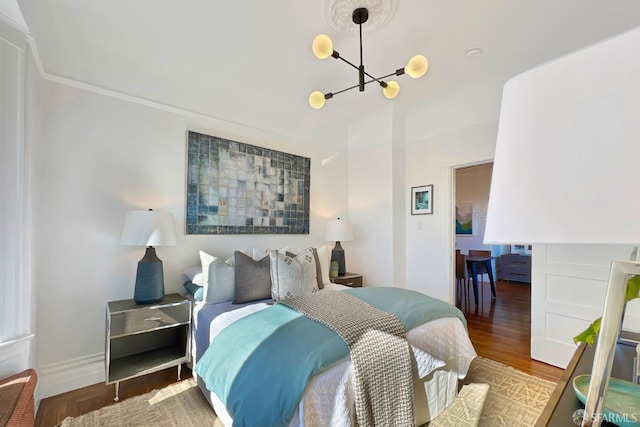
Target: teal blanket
x=259 y=366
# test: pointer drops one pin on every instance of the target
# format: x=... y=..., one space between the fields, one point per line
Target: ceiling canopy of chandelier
x=323 y=48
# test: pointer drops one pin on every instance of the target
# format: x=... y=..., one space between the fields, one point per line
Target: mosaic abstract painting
x=237 y=188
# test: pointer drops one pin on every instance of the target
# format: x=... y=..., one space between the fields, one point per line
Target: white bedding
x=443 y=353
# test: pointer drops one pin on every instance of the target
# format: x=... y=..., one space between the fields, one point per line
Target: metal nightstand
x=141 y=339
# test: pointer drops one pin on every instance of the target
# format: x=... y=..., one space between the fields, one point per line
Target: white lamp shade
x=148 y=228
x=338 y=230
x=568 y=150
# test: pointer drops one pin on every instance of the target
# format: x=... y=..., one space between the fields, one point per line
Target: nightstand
x=141 y=339
x=349 y=279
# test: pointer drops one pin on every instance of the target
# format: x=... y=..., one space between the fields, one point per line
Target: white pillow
x=194 y=274
x=258 y=254
x=218 y=281
x=291 y=277
x=232 y=260
x=336 y=287
x=222 y=282
x=206 y=259
x=324 y=257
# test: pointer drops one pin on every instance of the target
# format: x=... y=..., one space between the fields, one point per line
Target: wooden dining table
x=472 y=265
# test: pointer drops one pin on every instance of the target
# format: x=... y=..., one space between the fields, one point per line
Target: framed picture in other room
x=422 y=200
x=464 y=219
x=518 y=249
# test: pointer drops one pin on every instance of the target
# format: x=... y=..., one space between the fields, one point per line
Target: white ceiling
x=250 y=61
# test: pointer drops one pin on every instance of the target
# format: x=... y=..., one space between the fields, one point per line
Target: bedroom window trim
x=15 y=259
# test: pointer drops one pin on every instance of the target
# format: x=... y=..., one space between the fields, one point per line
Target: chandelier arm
x=396 y=73
x=344 y=90
x=361 y=62
x=367 y=74
x=378 y=79
x=361 y=72
x=353 y=87
x=350 y=63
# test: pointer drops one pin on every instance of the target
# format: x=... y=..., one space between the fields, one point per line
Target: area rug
x=466 y=409
x=513 y=398
x=178 y=405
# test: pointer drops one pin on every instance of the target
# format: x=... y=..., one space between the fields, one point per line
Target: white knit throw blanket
x=380 y=353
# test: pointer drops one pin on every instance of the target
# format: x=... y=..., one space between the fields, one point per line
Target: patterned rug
x=178 y=405
x=512 y=398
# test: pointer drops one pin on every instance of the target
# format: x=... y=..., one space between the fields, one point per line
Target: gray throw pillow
x=253 y=278
x=293 y=276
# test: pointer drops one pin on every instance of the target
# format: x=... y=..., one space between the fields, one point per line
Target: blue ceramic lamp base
x=337 y=254
x=149 y=279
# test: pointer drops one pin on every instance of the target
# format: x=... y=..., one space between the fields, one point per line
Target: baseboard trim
x=15 y=355
x=70 y=375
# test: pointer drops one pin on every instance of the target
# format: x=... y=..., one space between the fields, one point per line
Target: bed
x=441 y=347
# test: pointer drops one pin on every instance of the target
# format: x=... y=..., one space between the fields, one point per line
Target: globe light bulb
x=322 y=46
x=417 y=66
x=392 y=89
x=316 y=100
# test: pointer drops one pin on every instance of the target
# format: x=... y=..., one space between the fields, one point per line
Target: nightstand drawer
x=148 y=319
x=349 y=279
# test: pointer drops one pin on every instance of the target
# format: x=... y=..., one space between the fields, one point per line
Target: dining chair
x=462 y=282
x=482 y=269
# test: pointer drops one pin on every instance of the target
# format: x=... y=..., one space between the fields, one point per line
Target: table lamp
x=148 y=228
x=566 y=170
x=339 y=230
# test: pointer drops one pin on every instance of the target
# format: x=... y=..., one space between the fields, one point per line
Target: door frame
x=448 y=172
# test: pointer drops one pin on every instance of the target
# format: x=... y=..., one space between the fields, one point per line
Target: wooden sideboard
x=563 y=404
x=515 y=268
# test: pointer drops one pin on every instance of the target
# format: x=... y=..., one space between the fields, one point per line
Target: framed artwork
x=464 y=219
x=237 y=188
x=522 y=249
x=517 y=249
x=422 y=200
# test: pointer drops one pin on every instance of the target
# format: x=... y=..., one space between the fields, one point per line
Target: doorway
x=506 y=318
x=471 y=196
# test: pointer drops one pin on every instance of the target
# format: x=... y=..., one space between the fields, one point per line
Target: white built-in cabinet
x=568 y=288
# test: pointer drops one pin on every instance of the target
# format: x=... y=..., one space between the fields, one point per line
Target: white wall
x=430 y=238
x=94 y=158
x=370 y=189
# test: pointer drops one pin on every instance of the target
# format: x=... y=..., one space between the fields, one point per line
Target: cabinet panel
x=515 y=268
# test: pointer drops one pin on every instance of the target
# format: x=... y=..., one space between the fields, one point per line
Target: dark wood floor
x=499 y=329
x=54 y=409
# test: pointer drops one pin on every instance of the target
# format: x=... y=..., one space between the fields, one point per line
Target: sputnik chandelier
x=323 y=48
